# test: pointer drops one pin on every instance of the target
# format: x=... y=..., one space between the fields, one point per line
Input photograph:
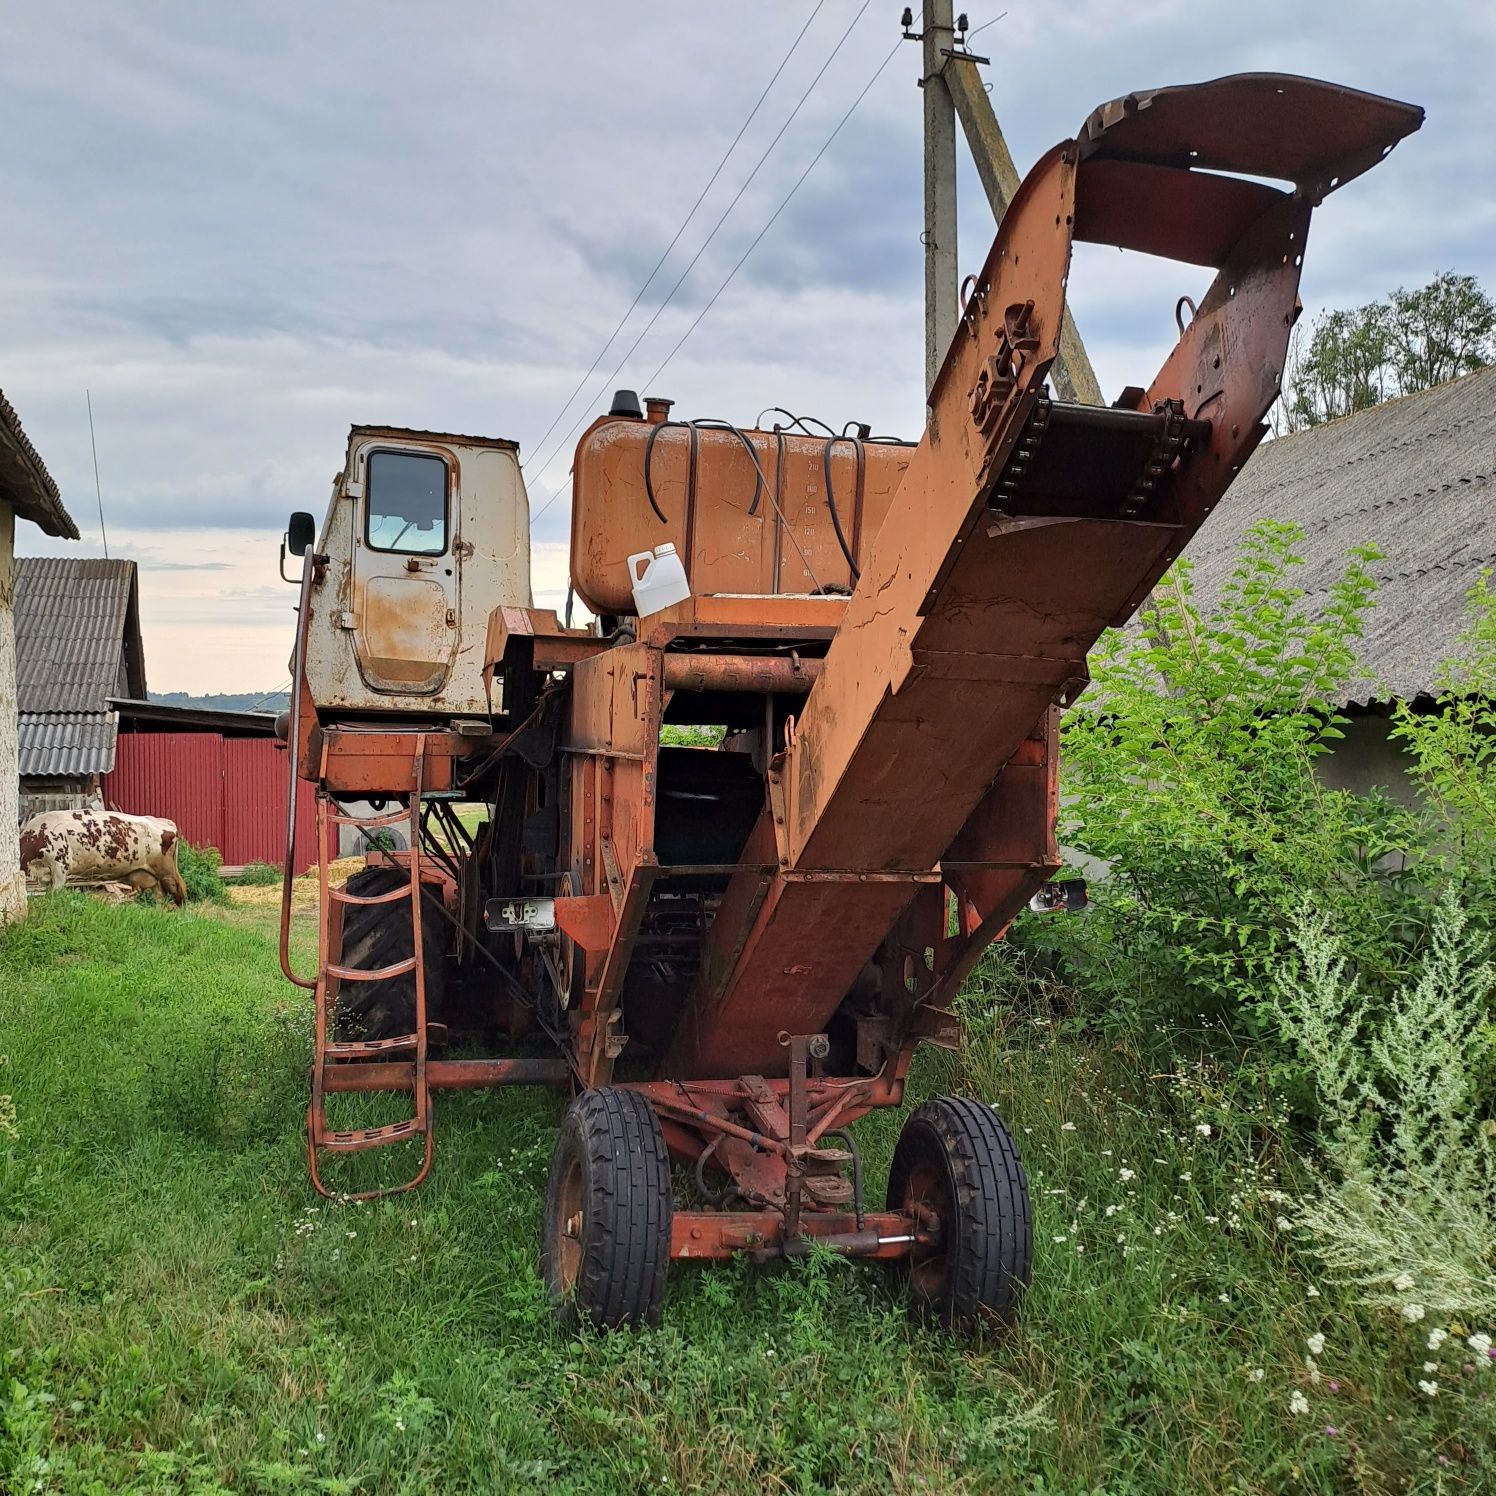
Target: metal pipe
x=763 y=675
x=293 y=749
x=445 y=1075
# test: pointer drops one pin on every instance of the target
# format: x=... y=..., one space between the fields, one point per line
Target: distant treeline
x=226 y=701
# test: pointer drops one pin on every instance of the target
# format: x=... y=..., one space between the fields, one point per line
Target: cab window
x=405 y=503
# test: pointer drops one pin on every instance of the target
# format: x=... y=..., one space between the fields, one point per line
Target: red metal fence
x=228 y=793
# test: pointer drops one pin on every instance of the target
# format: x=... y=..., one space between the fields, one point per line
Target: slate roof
x=25 y=483
x=67 y=745
x=77 y=645
x=1416 y=478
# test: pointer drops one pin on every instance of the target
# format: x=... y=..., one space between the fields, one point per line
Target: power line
x=551 y=456
x=685 y=222
x=279 y=691
x=98 y=492
x=777 y=211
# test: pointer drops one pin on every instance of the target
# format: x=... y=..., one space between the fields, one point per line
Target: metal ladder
x=377 y=1055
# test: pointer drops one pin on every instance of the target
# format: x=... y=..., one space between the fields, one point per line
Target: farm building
x=221 y=776
x=78 y=645
x=1416 y=478
x=26 y=492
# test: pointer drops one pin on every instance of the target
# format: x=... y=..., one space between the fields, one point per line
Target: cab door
x=406 y=600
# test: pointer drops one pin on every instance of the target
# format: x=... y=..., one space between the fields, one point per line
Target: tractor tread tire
x=376 y=935
x=987 y=1229
x=626 y=1211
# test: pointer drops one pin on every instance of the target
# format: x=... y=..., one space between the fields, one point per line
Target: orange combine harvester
x=729 y=953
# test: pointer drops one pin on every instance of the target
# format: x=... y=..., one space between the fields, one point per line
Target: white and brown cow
x=101 y=846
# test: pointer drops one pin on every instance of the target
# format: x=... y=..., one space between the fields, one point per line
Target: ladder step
x=377 y=974
x=388 y=818
x=361 y=1049
x=370 y=1137
x=339 y=897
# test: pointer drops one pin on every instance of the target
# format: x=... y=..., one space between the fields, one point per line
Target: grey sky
x=245 y=227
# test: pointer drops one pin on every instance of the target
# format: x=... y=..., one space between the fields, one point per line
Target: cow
x=102 y=846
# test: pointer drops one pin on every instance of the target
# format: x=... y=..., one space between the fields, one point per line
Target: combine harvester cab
x=736 y=949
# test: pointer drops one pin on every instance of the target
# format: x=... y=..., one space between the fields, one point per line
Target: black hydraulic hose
x=707 y=423
x=760 y=483
x=841 y=539
x=649 y=446
x=857 y=1205
x=803 y=422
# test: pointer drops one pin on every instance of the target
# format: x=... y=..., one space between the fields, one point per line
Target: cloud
x=243 y=229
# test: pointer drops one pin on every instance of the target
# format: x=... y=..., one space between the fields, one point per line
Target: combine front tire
x=957 y=1171
x=607 y=1212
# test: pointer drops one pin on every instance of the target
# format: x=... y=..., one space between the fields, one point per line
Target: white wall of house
x=12 y=887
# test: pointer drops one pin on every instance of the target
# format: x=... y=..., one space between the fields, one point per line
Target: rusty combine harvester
x=729 y=954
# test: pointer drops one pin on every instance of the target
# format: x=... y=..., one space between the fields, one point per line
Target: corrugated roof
x=25 y=483
x=1416 y=478
x=144 y=715
x=77 y=633
x=66 y=745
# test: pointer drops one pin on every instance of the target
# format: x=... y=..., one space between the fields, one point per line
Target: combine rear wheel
x=376 y=935
x=607 y=1212
x=957 y=1171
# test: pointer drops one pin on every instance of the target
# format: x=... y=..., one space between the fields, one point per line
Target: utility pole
x=941 y=315
x=953 y=89
x=1074 y=378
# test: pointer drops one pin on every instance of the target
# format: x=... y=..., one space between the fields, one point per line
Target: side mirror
x=301 y=533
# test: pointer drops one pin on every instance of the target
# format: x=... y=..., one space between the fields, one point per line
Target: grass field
x=179 y=1312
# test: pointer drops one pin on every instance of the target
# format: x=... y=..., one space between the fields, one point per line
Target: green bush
x=1190 y=770
x=1406 y=1201
x=256 y=875
x=199 y=869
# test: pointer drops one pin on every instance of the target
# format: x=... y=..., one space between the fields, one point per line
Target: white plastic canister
x=662 y=581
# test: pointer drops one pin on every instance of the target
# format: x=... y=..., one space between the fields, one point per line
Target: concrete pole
x=941 y=290
x=1074 y=378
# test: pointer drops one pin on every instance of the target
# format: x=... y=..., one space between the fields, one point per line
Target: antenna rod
x=98 y=492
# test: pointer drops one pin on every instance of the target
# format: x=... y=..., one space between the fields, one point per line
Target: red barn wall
x=228 y=793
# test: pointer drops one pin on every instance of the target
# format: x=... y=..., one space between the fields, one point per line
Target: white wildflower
x=1431 y=1366
x=1316 y=1343
x=1412 y=1313
x=400 y=1425
x=1067 y=1127
x=1257 y=1373
x=1184 y=1179
x=1284 y=1224
x=1125 y=1174
x=1403 y=1282
x=1429 y=1389
x=1436 y=1338
x=1298 y=1403
x=1060 y=1237
x=1313 y=1292
x=1111 y=1210
x=1480 y=1344
x=1203 y=1128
